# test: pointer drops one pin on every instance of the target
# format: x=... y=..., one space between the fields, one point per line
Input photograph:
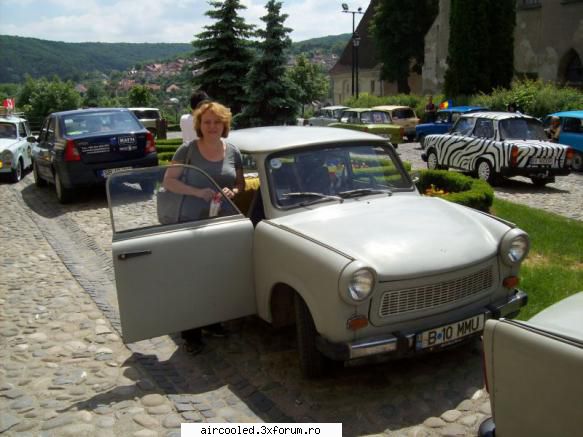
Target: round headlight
x=361 y=284
x=517 y=249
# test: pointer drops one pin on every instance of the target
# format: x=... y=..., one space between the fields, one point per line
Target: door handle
x=124 y=256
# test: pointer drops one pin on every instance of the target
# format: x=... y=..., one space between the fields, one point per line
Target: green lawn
x=554 y=267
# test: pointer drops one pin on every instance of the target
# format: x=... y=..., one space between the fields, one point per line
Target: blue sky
x=157 y=20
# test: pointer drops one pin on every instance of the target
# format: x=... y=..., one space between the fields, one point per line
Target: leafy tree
x=140 y=95
x=95 y=96
x=40 y=97
x=226 y=55
x=268 y=89
x=481 y=46
x=309 y=81
x=399 y=31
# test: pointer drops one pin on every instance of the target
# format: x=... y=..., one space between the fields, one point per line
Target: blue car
x=571 y=134
x=444 y=120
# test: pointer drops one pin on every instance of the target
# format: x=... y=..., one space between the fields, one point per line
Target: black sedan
x=83 y=147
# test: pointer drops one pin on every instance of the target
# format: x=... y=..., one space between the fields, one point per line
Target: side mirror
x=32 y=139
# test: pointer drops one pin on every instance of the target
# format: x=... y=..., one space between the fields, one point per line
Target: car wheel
x=485 y=172
x=577 y=163
x=312 y=362
x=38 y=180
x=432 y=163
x=540 y=182
x=16 y=174
x=421 y=141
x=64 y=195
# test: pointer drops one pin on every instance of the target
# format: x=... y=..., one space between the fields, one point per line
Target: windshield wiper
x=319 y=197
x=364 y=192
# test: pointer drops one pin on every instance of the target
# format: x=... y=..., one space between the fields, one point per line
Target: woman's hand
x=230 y=193
x=205 y=193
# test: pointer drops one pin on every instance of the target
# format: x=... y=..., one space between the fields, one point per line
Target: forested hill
x=38 y=57
x=42 y=58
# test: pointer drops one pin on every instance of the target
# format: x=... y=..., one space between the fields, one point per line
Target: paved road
x=65 y=371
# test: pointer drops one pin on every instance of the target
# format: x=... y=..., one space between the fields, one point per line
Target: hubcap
x=432 y=161
x=577 y=162
x=484 y=171
x=18 y=171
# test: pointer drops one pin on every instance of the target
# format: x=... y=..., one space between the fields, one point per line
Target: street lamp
x=355 y=43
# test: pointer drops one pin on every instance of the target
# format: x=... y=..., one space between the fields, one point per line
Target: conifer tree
x=226 y=57
x=268 y=89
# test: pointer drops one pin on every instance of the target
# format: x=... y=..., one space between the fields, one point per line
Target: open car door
x=185 y=272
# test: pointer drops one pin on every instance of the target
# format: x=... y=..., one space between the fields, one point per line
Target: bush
x=170 y=142
x=458 y=188
x=163 y=148
x=165 y=157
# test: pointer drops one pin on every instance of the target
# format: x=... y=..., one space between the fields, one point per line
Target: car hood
x=7 y=143
x=403 y=235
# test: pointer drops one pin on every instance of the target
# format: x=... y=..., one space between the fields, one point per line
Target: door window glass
x=484 y=129
x=464 y=126
x=141 y=198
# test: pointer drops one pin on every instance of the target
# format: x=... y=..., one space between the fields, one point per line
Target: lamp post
x=355 y=43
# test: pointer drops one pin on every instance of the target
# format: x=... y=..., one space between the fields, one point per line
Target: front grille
x=434 y=295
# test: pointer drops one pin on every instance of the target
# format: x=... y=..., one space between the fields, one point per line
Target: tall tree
x=268 y=89
x=399 y=31
x=226 y=57
x=481 y=46
x=309 y=81
x=40 y=97
x=140 y=95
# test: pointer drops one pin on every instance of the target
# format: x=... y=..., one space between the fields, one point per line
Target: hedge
x=170 y=142
x=458 y=188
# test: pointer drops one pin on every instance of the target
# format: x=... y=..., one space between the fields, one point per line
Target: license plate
x=109 y=171
x=541 y=161
x=450 y=333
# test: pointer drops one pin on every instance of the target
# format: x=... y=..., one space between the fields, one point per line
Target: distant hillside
x=37 y=57
x=41 y=58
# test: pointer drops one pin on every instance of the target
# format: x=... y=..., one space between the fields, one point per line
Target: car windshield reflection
x=329 y=174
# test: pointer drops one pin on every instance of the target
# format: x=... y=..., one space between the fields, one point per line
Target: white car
x=533 y=372
x=16 y=143
x=336 y=239
x=326 y=115
x=499 y=144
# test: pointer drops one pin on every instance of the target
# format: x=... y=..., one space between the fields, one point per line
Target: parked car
x=83 y=147
x=15 y=146
x=326 y=115
x=373 y=121
x=335 y=240
x=571 y=134
x=496 y=144
x=149 y=117
x=403 y=116
x=533 y=372
x=444 y=120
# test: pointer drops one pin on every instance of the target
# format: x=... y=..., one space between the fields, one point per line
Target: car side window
x=573 y=125
x=463 y=126
x=484 y=128
x=365 y=117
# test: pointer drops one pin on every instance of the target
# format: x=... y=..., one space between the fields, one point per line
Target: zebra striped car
x=496 y=144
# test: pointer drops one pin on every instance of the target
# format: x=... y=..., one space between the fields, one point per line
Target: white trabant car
x=326 y=115
x=336 y=239
x=497 y=144
x=16 y=143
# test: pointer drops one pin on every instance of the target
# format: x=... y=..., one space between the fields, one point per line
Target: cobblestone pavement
x=65 y=371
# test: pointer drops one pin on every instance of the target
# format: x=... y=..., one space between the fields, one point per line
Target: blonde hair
x=219 y=110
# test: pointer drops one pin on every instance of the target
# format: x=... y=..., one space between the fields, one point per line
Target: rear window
x=403 y=113
x=83 y=124
x=147 y=114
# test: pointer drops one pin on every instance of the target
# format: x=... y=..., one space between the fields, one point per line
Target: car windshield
x=403 y=113
x=522 y=129
x=8 y=130
x=375 y=117
x=337 y=112
x=100 y=122
x=334 y=173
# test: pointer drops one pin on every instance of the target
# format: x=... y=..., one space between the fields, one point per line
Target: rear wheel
x=64 y=194
x=577 y=163
x=38 y=180
x=485 y=172
x=432 y=163
x=16 y=174
x=312 y=362
x=541 y=182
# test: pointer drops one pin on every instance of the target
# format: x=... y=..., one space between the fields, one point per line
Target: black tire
x=485 y=172
x=540 y=182
x=577 y=163
x=421 y=141
x=38 y=180
x=312 y=363
x=432 y=162
x=64 y=194
x=16 y=174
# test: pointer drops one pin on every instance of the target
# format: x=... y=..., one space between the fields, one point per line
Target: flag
x=8 y=103
x=445 y=104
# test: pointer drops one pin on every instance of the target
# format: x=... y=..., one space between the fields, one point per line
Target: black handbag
x=169 y=204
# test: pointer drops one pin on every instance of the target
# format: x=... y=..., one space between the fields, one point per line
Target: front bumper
x=403 y=344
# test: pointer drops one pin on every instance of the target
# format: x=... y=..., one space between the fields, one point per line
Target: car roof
x=462 y=109
x=362 y=109
x=12 y=119
x=496 y=115
x=575 y=114
x=276 y=138
x=391 y=107
x=334 y=107
x=563 y=317
x=143 y=109
x=89 y=111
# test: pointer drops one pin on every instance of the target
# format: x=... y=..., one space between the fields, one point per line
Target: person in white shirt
x=187 y=121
